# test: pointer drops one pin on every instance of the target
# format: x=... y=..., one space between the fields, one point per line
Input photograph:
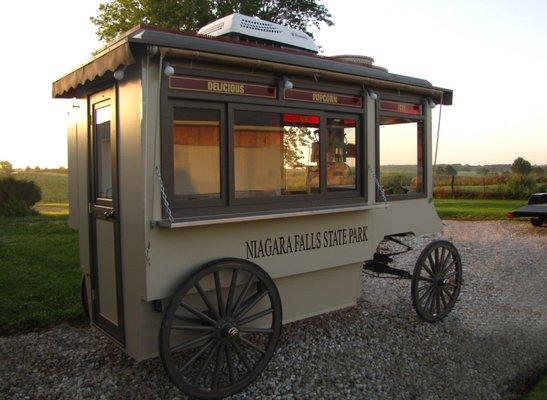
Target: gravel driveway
x=495 y=338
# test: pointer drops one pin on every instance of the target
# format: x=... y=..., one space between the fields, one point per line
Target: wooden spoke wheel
x=220 y=329
x=436 y=281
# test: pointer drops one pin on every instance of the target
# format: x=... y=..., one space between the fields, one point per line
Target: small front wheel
x=220 y=329
x=436 y=281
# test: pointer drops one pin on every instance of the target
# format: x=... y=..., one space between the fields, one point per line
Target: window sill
x=246 y=217
x=410 y=196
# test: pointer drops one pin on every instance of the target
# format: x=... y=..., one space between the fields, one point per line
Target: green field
x=471 y=188
x=54 y=185
x=39 y=273
x=475 y=209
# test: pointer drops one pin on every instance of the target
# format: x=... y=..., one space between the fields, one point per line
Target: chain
x=378 y=184
x=164 y=197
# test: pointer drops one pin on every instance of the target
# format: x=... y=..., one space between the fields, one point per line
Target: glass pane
x=103 y=152
x=401 y=155
x=341 y=154
x=196 y=153
x=275 y=154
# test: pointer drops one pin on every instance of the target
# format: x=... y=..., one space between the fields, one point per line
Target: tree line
x=6 y=168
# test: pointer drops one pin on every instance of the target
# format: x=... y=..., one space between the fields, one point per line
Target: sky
x=493 y=54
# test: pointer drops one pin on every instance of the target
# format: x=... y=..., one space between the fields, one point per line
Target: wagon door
x=104 y=216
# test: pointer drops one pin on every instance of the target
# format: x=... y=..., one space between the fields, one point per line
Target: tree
x=117 y=16
x=521 y=166
x=6 y=167
x=452 y=172
x=439 y=170
x=538 y=170
x=483 y=171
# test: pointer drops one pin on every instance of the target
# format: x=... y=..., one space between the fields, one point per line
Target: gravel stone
x=492 y=340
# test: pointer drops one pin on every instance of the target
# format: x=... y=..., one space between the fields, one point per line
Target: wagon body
x=135 y=257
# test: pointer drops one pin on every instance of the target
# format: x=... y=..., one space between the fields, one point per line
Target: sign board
x=314 y=96
x=219 y=86
x=400 y=107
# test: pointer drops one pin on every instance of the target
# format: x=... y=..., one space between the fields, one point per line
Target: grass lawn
x=39 y=273
x=476 y=209
x=539 y=392
x=58 y=209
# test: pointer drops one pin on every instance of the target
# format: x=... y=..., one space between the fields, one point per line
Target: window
x=196 y=153
x=238 y=158
x=103 y=117
x=275 y=154
x=341 y=154
x=401 y=156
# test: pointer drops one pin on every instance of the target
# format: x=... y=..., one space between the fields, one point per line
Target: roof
x=120 y=52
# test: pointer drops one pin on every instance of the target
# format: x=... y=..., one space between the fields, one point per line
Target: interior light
x=168 y=70
x=153 y=50
x=301 y=119
x=373 y=95
x=287 y=83
x=432 y=104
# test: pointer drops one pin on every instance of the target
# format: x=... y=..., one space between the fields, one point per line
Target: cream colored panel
x=76 y=132
x=106 y=270
x=177 y=252
x=302 y=296
x=306 y=295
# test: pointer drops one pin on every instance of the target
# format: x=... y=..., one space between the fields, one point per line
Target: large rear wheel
x=220 y=328
x=436 y=281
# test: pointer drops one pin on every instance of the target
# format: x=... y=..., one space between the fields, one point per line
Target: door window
x=103 y=151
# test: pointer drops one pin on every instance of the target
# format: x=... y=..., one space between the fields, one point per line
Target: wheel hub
x=229 y=331
x=233 y=332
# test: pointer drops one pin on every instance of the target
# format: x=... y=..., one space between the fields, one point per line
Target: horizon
x=491 y=122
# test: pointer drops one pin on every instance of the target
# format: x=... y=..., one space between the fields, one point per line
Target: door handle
x=108 y=215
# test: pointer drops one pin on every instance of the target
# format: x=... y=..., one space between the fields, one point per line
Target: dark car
x=536 y=210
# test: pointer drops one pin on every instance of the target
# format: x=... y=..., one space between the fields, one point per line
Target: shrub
x=522 y=186
x=15 y=208
x=18 y=196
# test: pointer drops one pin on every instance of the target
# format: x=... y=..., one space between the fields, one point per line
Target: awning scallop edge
x=108 y=59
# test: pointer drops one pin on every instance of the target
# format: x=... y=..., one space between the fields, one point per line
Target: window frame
x=167 y=155
x=425 y=145
x=227 y=206
x=323 y=193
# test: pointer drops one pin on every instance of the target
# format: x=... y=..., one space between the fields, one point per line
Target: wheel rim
x=220 y=329
x=436 y=281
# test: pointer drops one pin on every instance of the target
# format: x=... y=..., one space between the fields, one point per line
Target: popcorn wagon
x=228 y=182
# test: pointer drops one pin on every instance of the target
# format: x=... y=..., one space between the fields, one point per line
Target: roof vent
x=240 y=25
x=365 y=61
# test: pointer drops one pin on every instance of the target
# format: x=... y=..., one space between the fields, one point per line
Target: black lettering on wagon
x=307 y=241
